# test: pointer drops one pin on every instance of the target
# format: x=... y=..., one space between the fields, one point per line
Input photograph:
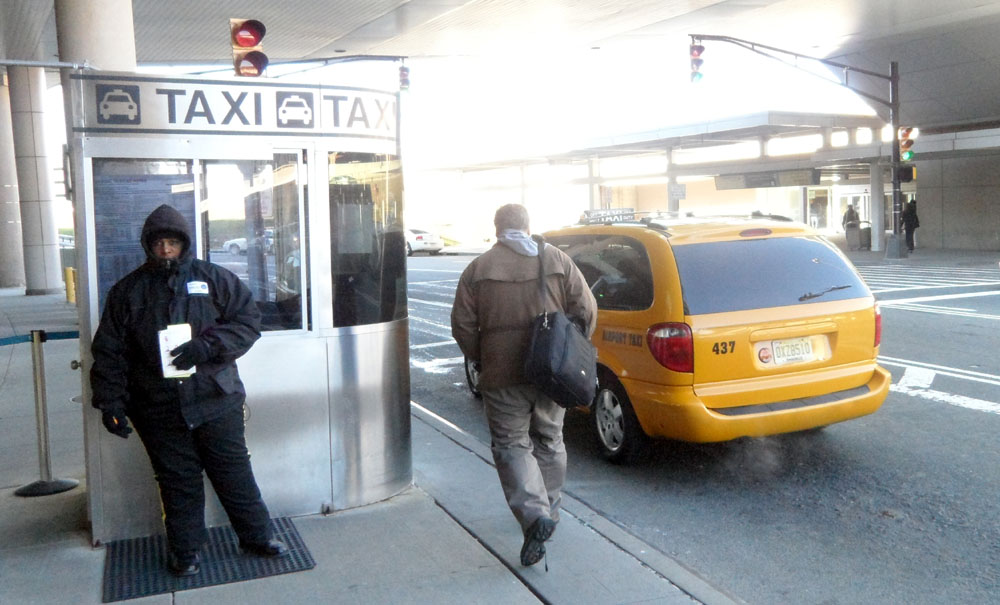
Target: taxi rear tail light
x=672 y=346
x=878 y=325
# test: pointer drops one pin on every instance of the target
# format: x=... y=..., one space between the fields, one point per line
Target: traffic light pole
x=895 y=247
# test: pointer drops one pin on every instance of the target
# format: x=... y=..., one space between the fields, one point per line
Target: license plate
x=792 y=350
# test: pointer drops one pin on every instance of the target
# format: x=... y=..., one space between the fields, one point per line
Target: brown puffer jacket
x=497 y=299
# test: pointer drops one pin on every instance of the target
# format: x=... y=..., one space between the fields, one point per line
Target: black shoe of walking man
x=533 y=548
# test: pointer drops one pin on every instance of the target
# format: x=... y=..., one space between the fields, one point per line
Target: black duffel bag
x=560 y=360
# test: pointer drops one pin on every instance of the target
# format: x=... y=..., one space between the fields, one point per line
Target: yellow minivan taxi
x=714 y=329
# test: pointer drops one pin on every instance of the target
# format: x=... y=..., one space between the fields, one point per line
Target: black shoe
x=534 y=540
x=184 y=563
x=271 y=548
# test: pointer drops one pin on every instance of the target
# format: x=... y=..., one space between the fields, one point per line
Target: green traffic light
x=906 y=156
x=695 y=76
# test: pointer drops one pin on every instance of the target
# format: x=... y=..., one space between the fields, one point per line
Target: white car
x=422 y=241
x=117 y=102
x=238 y=245
x=294 y=108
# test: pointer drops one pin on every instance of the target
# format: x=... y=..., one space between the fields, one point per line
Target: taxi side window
x=616 y=269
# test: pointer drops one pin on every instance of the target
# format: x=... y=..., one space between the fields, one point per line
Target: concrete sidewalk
x=447 y=539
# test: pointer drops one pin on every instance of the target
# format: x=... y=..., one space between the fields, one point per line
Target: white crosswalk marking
x=897 y=277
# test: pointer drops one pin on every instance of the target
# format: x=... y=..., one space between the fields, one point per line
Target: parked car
x=238 y=245
x=711 y=330
x=422 y=241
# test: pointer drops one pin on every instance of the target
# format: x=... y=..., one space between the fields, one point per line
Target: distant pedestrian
x=910 y=222
x=851 y=216
x=496 y=300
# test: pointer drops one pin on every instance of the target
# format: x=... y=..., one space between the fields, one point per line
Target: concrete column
x=877 y=206
x=593 y=189
x=11 y=253
x=100 y=32
x=42 y=267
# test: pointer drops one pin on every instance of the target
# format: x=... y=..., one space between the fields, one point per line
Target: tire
x=472 y=377
x=619 y=435
x=409 y=250
x=234 y=249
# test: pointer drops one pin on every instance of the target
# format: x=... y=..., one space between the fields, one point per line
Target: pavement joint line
x=660 y=563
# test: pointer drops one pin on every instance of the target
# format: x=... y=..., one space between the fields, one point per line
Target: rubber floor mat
x=137 y=567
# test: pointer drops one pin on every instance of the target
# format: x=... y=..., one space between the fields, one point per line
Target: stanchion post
x=46 y=485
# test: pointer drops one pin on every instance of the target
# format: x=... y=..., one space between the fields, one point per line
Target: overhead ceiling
x=948 y=50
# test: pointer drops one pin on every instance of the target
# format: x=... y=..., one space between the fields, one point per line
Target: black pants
x=909 y=239
x=179 y=455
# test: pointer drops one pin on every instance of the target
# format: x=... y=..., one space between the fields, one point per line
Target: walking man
x=192 y=423
x=496 y=300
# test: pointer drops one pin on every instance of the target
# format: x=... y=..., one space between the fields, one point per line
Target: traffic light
x=404 y=78
x=906 y=173
x=906 y=136
x=245 y=37
x=696 y=61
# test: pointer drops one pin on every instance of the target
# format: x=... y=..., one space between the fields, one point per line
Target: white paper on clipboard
x=172 y=337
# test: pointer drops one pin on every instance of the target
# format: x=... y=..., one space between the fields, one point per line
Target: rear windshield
x=754 y=274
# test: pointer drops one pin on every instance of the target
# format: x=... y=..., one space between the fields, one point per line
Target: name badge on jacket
x=197 y=288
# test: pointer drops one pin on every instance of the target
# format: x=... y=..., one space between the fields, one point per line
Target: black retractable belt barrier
x=46 y=485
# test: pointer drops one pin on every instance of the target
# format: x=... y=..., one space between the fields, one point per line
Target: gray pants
x=526 y=430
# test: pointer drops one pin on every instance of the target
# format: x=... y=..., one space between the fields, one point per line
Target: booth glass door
x=252 y=224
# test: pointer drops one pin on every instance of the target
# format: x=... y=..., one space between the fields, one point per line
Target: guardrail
x=46 y=485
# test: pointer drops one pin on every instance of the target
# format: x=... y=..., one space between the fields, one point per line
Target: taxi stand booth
x=306 y=181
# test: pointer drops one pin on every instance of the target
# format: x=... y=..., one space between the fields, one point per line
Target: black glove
x=116 y=423
x=190 y=354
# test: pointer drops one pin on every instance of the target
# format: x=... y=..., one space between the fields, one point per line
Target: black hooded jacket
x=127 y=374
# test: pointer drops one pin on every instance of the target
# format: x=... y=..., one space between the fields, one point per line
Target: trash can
x=852 y=231
x=865 y=239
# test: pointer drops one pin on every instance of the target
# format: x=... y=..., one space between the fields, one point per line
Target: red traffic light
x=248 y=33
x=249 y=59
x=696 y=61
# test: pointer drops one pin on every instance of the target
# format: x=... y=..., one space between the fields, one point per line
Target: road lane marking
x=970 y=375
x=920 y=299
x=433 y=303
x=917 y=379
x=437 y=366
x=941 y=311
x=433 y=344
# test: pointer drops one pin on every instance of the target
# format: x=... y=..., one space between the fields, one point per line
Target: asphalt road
x=897 y=507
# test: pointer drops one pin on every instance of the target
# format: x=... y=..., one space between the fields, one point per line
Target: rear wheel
x=234 y=249
x=472 y=377
x=619 y=434
x=409 y=250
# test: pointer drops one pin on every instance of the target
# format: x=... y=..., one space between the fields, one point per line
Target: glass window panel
x=125 y=192
x=616 y=268
x=250 y=219
x=766 y=273
x=367 y=241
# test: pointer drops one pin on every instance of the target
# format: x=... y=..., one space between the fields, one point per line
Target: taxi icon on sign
x=118 y=103
x=294 y=108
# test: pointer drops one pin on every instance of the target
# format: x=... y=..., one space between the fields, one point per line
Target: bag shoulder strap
x=542 y=284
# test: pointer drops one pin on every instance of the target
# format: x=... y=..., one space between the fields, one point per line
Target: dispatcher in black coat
x=192 y=424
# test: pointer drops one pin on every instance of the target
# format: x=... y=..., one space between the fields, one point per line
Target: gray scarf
x=519 y=242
